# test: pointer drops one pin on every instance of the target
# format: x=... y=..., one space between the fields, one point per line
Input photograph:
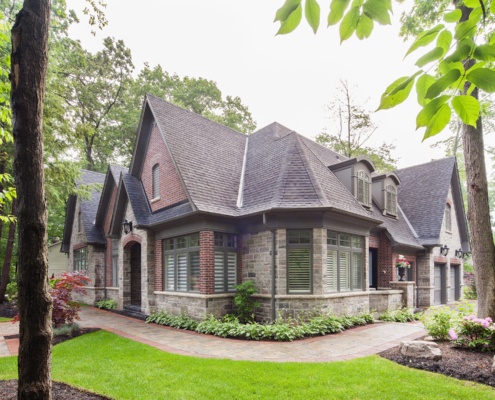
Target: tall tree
x=28 y=73
x=352 y=127
x=464 y=53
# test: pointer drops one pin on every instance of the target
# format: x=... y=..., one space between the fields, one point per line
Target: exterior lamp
x=127 y=225
x=444 y=250
x=459 y=253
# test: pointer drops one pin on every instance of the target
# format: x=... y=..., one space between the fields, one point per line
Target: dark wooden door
x=136 y=275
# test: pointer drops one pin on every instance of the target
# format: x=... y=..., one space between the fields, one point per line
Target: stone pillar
x=407 y=292
x=319 y=260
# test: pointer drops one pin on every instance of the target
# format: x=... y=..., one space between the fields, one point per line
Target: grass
x=3 y=319
x=122 y=369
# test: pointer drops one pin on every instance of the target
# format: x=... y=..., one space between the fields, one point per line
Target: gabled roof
x=423 y=194
x=112 y=179
x=89 y=208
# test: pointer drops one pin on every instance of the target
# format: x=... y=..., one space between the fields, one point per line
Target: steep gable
x=422 y=195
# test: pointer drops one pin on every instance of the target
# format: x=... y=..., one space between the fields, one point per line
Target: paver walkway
x=353 y=343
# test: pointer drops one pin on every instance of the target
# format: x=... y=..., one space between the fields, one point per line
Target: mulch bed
x=457 y=363
x=8 y=310
x=60 y=391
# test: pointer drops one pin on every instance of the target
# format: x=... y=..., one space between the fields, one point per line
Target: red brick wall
x=106 y=230
x=207 y=262
x=158 y=266
x=409 y=257
x=374 y=242
x=386 y=271
x=171 y=189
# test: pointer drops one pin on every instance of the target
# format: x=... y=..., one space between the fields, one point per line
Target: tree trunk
x=28 y=76
x=479 y=219
x=9 y=249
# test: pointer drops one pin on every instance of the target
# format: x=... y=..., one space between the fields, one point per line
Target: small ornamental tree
x=65 y=309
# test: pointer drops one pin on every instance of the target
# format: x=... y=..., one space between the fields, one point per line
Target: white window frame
x=174 y=250
x=225 y=261
x=340 y=247
x=391 y=200
x=297 y=246
x=363 y=194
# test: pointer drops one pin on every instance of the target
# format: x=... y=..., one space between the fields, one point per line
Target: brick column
x=158 y=266
x=207 y=262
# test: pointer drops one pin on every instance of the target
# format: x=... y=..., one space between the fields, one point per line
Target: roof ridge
x=444 y=159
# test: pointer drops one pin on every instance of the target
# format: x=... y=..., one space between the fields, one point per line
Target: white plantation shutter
x=182 y=272
x=231 y=271
x=169 y=272
x=219 y=271
x=357 y=271
x=299 y=261
x=344 y=266
x=332 y=270
x=194 y=271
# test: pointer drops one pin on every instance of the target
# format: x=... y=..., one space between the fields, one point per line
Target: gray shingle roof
x=422 y=195
x=89 y=207
x=137 y=197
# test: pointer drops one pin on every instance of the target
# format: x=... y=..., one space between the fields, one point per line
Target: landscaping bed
x=456 y=362
x=60 y=391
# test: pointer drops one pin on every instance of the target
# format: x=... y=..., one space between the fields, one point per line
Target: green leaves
x=453 y=16
x=377 y=10
x=289 y=15
x=397 y=92
x=443 y=83
x=434 y=116
x=349 y=23
x=483 y=78
x=312 y=13
x=337 y=10
x=485 y=52
x=425 y=38
x=467 y=108
x=364 y=27
x=429 y=57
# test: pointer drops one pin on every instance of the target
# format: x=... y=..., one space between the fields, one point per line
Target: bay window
x=299 y=259
x=181 y=263
x=344 y=262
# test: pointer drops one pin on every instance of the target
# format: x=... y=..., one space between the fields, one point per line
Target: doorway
x=439 y=294
x=136 y=274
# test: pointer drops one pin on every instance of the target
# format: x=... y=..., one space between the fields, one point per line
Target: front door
x=439 y=297
x=454 y=283
x=136 y=274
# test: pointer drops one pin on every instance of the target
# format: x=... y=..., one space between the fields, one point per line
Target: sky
x=288 y=79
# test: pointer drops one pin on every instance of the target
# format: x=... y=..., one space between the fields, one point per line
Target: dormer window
x=363 y=188
x=155 y=181
x=391 y=202
x=448 y=218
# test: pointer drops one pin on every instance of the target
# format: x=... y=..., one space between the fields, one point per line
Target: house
x=203 y=208
x=57 y=261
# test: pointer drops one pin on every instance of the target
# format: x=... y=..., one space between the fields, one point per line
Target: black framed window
x=299 y=261
x=81 y=259
x=225 y=262
x=345 y=260
x=181 y=263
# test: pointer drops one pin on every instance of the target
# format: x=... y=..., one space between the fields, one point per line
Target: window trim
x=78 y=256
x=115 y=263
x=448 y=217
x=175 y=252
x=391 y=200
x=155 y=182
x=309 y=246
x=363 y=177
x=226 y=249
x=351 y=250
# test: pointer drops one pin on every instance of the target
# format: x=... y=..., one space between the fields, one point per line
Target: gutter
x=272 y=267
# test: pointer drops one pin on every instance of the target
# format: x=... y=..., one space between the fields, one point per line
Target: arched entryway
x=135 y=258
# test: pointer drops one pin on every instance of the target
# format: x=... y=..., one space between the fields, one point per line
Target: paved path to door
x=353 y=343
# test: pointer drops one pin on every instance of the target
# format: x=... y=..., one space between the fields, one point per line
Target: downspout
x=272 y=267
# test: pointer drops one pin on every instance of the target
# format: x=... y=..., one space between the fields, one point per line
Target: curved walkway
x=353 y=343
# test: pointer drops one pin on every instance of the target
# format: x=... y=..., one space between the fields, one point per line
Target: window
x=155 y=181
x=344 y=262
x=81 y=259
x=299 y=253
x=448 y=218
x=181 y=263
x=225 y=262
x=79 y=221
x=391 y=203
x=115 y=263
x=363 y=188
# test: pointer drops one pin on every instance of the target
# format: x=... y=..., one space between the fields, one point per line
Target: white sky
x=287 y=79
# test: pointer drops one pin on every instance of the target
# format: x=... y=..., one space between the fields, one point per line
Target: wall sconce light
x=459 y=253
x=127 y=225
x=444 y=250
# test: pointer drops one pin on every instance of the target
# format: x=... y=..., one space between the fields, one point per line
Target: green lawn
x=120 y=368
x=3 y=319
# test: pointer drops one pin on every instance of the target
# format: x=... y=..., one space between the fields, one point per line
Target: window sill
x=155 y=199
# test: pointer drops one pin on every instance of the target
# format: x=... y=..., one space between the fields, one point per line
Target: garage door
x=454 y=283
x=439 y=285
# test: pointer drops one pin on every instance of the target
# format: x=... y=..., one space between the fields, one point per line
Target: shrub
x=67 y=329
x=109 y=304
x=65 y=310
x=474 y=333
x=402 y=315
x=470 y=292
x=244 y=302
x=468 y=268
x=181 y=321
x=11 y=291
x=439 y=321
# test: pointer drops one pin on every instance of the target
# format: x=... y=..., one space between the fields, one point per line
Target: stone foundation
x=384 y=300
